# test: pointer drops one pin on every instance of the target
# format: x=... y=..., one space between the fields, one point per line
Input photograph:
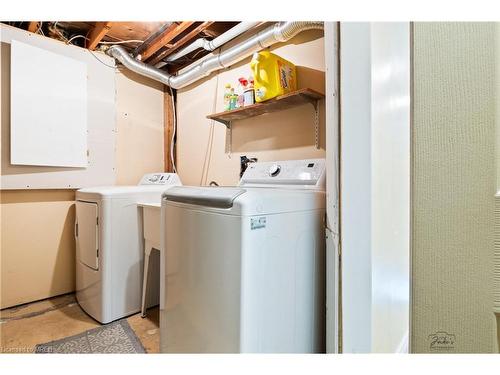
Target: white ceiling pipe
x=279 y=32
x=210 y=45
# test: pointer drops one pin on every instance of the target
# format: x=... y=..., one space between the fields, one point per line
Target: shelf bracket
x=226 y=123
x=229 y=135
x=316 y=123
x=289 y=100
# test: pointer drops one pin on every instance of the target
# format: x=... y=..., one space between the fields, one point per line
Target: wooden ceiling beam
x=181 y=42
x=33 y=26
x=150 y=38
x=98 y=32
x=170 y=33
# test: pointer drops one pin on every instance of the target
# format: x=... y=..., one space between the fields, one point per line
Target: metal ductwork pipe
x=211 y=45
x=279 y=32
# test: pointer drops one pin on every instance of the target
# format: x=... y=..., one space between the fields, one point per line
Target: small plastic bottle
x=243 y=83
x=249 y=94
x=227 y=97
x=233 y=99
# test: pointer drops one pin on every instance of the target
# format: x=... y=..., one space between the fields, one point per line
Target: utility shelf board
x=279 y=103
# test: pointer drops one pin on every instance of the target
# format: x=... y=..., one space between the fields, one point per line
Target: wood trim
x=168 y=129
x=181 y=42
x=33 y=26
x=98 y=32
x=170 y=33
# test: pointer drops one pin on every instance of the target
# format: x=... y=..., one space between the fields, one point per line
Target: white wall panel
x=390 y=88
x=48 y=101
x=355 y=97
x=375 y=186
x=332 y=187
x=100 y=117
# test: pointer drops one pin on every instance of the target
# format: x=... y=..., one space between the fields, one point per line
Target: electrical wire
x=208 y=151
x=120 y=42
x=98 y=59
x=210 y=141
x=39 y=30
x=76 y=37
x=68 y=41
x=175 y=129
x=60 y=33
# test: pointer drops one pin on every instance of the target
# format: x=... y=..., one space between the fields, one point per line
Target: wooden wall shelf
x=279 y=103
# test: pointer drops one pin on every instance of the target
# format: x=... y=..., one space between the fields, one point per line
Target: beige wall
x=496 y=284
x=453 y=175
x=139 y=116
x=202 y=145
x=37 y=244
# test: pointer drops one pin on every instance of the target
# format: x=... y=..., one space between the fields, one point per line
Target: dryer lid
x=204 y=196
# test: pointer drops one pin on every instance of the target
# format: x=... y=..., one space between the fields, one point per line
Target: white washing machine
x=109 y=245
x=245 y=265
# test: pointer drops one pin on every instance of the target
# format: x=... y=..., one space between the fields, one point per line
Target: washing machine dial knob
x=274 y=170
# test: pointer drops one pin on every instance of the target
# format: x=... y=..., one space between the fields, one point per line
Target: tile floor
x=22 y=327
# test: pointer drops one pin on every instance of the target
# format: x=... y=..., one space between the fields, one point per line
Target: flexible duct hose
x=279 y=32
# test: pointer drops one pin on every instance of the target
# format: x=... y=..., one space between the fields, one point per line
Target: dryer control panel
x=160 y=179
x=309 y=173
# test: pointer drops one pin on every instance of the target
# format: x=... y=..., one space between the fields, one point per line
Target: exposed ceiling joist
x=181 y=42
x=151 y=37
x=170 y=33
x=33 y=26
x=167 y=37
x=98 y=32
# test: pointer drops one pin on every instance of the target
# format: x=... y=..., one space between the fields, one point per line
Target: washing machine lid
x=207 y=197
x=244 y=202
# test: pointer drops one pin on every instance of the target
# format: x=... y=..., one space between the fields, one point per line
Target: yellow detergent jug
x=273 y=76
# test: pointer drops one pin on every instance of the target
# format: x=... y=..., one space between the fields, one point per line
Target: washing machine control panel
x=293 y=173
x=159 y=179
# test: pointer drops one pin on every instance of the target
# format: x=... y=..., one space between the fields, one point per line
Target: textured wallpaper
x=453 y=187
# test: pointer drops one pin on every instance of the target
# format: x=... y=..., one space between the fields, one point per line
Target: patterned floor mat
x=116 y=337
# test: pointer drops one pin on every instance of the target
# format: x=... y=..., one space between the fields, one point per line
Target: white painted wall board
x=101 y=123
x=332 y=187
x=48 y=117
x=375 y=186
x=390 y=134
x=355 y=109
